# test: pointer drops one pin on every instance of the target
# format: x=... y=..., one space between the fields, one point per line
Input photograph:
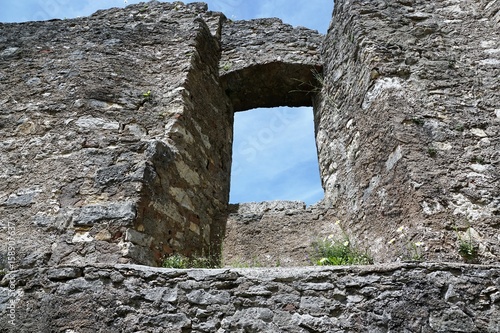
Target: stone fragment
x=203 y=298
x=161 y=294
x=253 y=320
x=136 y=130
x=33 y=81
x=63 y=273
x=451 y=320
x=316 y=306
x=122 y=213
x=82 y=237
x=138 y=238
x=112 y=174
x=8 y=51
x=96 y=123
x=478 y=132
x=21 y=198
x=191 y=177
x=103 y=235
x=393 y=158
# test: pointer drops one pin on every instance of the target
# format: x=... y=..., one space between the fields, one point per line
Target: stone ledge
x=410 y=297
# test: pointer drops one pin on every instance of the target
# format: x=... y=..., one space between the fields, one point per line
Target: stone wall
x=116 y=135
x=407 y=126
x=408 y=123
x=266 y=63
x=117 y=128
x=102 y=118
x=126 y=298
x=275 y=233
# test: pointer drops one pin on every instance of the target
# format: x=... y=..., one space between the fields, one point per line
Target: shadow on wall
x=270 y=85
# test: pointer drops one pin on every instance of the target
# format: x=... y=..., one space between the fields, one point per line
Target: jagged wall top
x=266 y=63
x=117 y=128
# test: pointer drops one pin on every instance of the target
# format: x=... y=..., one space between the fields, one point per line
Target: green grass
x=180 y=261
x=338 y=250
x=327 y=252
x=467 y=247
x=432 y=152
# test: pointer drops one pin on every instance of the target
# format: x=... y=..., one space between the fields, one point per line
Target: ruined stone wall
x=115 y=147
x=407 y=127
x=108 y=130
x=266 y=63
x=117 y=129
x=408 y=123
x=275 y=233
x=129 y=298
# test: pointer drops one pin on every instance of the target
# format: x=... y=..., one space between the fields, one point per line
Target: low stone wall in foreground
x=406 y=297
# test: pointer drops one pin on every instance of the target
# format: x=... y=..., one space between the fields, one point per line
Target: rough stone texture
x=407 y=122
x=90 y=158
x=129 y=298
x=275 y=233
x=407 y=127
x=117 y=131
x=266 y=63
x=115 y=147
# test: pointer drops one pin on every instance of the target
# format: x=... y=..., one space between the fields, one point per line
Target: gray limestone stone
x=116 y=136
x=407 y=297
x=119 y=212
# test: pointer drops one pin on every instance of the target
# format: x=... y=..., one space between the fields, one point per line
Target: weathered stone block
x=120 y=213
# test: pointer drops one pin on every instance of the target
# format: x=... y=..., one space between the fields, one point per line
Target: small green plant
x=319 y=81
x=418 y=121
x=338 y=251
x=146 y=97
x=227 y=66
x=311 y=87
x=415 y=251
x=175 y=261
x=181 y=262
x=467 y=247
x=460 y=127
x=432 y=151
x=411 y=251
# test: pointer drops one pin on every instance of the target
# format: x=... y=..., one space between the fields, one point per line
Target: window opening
x=274 y=156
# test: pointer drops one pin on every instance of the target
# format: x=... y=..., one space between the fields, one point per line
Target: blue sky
x=274 y=153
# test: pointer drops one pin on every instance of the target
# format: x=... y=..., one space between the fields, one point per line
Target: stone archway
x=264 y=69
